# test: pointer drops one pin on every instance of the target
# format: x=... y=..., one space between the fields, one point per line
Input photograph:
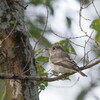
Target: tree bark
x=15 y=51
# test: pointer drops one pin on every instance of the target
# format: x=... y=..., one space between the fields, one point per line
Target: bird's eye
x=53 y=48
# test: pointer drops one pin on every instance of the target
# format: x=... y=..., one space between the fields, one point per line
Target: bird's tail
x=82 y=74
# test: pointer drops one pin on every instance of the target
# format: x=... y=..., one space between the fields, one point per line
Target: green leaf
x=12 y=22
x=96 y=25
x=35 y=2
x=35 y=32
x=68 y=21
x=42 y=59
x=43 y=85
x=62 y=42
x=97 y=37
x=40 y=70
x=85 y=2
x=66 y=78
x=66 y=45
x=72 y=49
x=38 y=51
x=47 y=3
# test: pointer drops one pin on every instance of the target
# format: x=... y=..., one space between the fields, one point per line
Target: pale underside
x=60 y=69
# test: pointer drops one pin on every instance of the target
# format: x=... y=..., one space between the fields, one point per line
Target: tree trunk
x=15 y=51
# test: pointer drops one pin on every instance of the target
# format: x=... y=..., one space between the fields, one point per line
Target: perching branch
x=38 y=78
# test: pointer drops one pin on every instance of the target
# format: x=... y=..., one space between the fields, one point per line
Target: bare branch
x=93 y=63
x=38 y=78
x=43 y=30
x=95 y=8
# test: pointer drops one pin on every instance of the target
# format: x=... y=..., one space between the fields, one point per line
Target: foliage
x=66 y=78
x=42 y=86
x=40 y=70
x=38 y=52
x=12 y=22
x=35 y=32
x=42 y=59
x=85 y=2
x=47 y=3
x=68 y=21
x=67 y=46
x=96 y=26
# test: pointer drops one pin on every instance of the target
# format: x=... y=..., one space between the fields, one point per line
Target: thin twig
x=95 y=8
x=44 y=29
x=88 y=5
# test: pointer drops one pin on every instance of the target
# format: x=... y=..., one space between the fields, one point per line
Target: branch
x=38 y=78
x=93 y=63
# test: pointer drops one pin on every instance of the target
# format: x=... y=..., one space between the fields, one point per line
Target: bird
x=61 y=62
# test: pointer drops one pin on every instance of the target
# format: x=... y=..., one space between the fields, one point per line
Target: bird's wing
x=66 y=62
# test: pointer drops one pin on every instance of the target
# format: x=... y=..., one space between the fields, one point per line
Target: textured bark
x=15 y=51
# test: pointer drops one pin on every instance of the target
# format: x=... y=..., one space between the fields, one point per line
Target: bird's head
x=53 y=50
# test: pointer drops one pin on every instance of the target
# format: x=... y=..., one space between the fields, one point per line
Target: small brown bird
x=61 y=62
